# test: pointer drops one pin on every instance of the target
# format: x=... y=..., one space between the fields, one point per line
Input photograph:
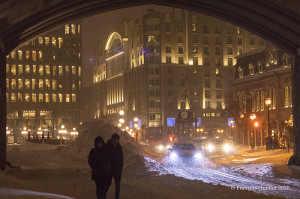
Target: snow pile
x=80 y=148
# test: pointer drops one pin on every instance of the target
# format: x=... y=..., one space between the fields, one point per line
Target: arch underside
x=262 y=17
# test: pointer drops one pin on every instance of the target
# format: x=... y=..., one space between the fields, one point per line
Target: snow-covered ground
x=48 y=170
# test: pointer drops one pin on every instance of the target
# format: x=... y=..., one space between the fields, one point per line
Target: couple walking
x=106 y=162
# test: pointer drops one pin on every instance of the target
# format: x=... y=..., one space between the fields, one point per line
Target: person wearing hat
x=115 y=152
x=100 y=166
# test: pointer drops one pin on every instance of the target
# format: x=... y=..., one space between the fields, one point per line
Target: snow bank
x=80 y=148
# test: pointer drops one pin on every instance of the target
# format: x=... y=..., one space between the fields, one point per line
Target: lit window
x=73 y=97
x=78 y=28
x=60 y=97
x=73 y=70
x=73 y=29
x=40 y=55
x=53 y=84
x=79 y=71
x=20 y=69
x=41 y=84
x=13 y=69
x=46 y=97
x=20 y=97
x=60 y=42
x=47 y=69
x=47 y=84
x=194 y=27
x=33 y=97
x=241 y=74
x=79 y=56
x=13 y=54
x=54 y=98
x=33 y=84
x=41 y=41
x=34 y=69
x=27 y=84
x=151 y=38
x=251 y=69
x=60 y=70
x=67 y=29
x=217 y=71
x=20 y=55
x=20 y=84
x=67 y=97
x=34 y=55
x=67 y=69
x=27 y=54
x=54 y=70
x=47 y=41
x=41 y=97
x=13 y=97
x=7 y=97
x=27 y=69
x=73 y=86
x=53 y=41
x=27 y=97
x=41 y=70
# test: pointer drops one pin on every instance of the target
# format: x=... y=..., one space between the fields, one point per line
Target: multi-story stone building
x=44 y=80
x=162 y=64
x=259 y=75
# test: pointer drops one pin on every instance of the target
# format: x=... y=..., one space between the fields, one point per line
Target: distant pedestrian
x=115 y=152
x=100 y=166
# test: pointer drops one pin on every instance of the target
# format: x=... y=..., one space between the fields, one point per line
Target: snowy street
x=49 y=171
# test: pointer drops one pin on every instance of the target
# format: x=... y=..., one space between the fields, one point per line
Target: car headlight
x=198 y=155
x=160 y=147
x=210 y=147
x=227 y=148
x=173 y=155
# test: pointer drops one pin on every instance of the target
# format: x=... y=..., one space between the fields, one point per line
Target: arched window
x=251 y=69
x=257 y=97
x=260 y=66
x=240 y=70
x=244 y=103
x=262 y=100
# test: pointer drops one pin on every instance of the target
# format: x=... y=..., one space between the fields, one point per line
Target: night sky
x=96 y=27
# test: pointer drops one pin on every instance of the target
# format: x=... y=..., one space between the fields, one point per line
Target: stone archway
x=23 y=20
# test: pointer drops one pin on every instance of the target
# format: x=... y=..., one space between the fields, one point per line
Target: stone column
x=2 y=110
x=295 y=159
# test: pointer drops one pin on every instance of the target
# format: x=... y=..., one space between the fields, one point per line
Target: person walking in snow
x=100 y=166
x=115 y=152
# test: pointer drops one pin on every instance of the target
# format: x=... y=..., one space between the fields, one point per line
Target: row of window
x=206 y=40
x=71 y=29
x=194 y=28
x=41 y=84
x=258 y=99
x=40 y=97
x=41 y=56
x=42 y=70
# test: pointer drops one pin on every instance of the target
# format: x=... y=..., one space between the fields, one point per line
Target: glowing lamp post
x=121 y=112
x=268 y=102
x=231 y=122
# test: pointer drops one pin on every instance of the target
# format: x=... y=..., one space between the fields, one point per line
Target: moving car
x=184 y=152
x=217 y=146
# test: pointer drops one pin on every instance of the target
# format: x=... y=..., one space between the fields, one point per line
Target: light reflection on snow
x=244 y=175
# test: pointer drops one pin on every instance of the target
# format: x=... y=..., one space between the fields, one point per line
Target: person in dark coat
x=115 y=152
x=99 y=162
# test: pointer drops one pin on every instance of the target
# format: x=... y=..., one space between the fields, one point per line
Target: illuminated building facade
x=259 y=75
x=44 y=80
x=156 y=66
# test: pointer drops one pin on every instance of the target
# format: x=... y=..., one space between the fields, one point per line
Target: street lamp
x=231 y=122
x=252 y=117
x=121 y=120
x=256 y=124
x=121 y=112
x=268 y=102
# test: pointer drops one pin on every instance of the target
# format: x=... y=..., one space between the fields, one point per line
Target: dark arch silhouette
x=262 y=17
